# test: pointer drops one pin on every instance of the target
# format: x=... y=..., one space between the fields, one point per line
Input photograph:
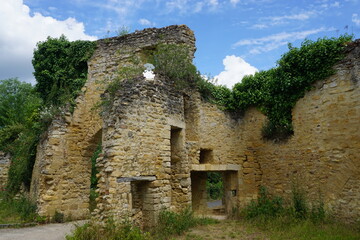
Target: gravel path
x=56 y=231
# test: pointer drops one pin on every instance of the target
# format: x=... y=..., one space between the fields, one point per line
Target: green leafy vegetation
x=61 y=69
x=276 y=91
x=110 y=230
x=19 y=130
x=173 y=61
x=94 y=179
x=18 y=210
x=264 y=206
x=214 y=185
x=25 y=112
x=169 y=224
x=295 y=221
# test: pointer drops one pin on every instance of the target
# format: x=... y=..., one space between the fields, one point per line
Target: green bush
x=264 y=206
x=61 y=69
x=299 y=202
x=171 y=223
x=214 y=185
x=16 y=210
x=110 y=230
x=58 y=217
x=20 y=128
x=173 y=61
x=276 y=91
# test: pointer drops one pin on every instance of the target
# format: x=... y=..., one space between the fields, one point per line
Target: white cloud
x=187 y=6
x=145 y=22
x=19 y=33
x=301 y=16
x=268 y=43
x=355 y=19
x=235 y=69
x=234 y=2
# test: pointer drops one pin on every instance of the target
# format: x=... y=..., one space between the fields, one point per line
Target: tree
x=19 y=129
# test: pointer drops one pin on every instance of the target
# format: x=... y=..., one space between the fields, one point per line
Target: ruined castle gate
x=154 y=136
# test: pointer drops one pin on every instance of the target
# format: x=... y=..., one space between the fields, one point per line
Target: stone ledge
x=215 y=167
x=138 y=178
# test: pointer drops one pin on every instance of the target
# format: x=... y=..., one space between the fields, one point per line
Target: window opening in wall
x=176 y=144
x=206 y=156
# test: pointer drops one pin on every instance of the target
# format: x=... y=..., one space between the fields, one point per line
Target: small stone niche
x=176 y=141
x=206 y=156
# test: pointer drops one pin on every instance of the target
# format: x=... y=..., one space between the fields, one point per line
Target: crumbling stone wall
x=137 y=150
x=323 y=155
x=159 y=142
x=4 y=169
x=61 y=174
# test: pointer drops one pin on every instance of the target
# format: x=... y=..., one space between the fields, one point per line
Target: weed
x=17 y=210
x=58 y=217
x=171 y=223
x=265 y=206
x=110 y=230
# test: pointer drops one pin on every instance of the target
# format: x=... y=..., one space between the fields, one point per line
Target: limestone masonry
x=159 y=143
x=4 y=169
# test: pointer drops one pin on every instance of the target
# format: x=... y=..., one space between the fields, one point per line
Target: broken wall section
x=61 y=174
x=322 y=157
x=136 y=168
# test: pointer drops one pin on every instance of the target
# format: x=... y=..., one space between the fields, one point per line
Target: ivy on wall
x=275 y=92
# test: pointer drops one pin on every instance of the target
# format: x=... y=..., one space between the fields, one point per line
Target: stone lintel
x=138 y=178
x=215 y=167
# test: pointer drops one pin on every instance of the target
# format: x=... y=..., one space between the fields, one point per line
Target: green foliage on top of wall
x=61 y=68
x=26 y=111
x=173 y=61
x=276 y=91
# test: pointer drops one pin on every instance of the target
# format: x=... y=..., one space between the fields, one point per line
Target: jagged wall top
x=176 y=34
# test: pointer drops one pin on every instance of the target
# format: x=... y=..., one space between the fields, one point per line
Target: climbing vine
x=276 y=91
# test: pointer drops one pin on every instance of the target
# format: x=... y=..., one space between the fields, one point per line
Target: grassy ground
x=226 y=230
x=276 y=229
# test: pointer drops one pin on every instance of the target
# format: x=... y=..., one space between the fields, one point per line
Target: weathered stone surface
x=151 y=128
x=4 y=169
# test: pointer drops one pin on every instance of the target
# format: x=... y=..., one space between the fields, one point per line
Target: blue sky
x=234 y=37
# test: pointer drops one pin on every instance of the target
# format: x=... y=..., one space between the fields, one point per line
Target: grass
x=17 y=210
x=169 y=224
x=287 y=227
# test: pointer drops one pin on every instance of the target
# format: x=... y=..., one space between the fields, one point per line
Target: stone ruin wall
x=323 y=156
x=137 y=144
x=4 y=169
x=154 y=137
x=61 y=175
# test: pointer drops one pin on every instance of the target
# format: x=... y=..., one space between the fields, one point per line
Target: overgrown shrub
x=174 y=62
x=61 y=69
x=17 y=210
x=214 y=185
x=299 y=201
x=264 y=206
x=110 y=230
x=171 y=223
x=276 y=91
x=20 y=127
